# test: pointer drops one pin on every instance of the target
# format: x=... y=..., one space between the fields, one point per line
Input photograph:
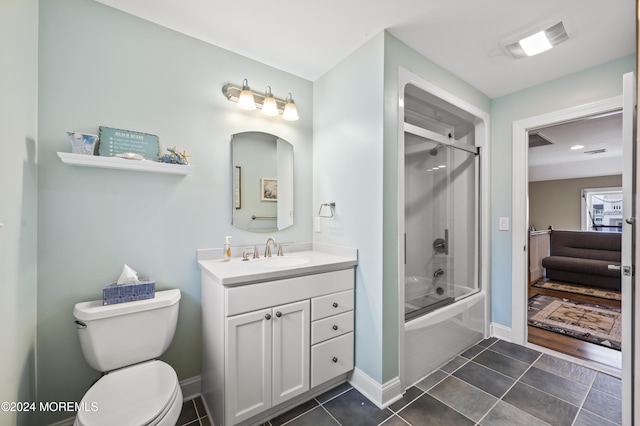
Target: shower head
x=434 y=151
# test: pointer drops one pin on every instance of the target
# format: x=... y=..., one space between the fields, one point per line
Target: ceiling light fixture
x=269 y=104
x=536 y=42
x=577 y=147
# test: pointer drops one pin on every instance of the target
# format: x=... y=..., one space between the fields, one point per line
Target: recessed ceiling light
x=536 y=42
x=577 y=147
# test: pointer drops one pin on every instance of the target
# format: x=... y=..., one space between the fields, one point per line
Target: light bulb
x=245 y=99
x=535 y=44
x=290 y=112
x=269 y=106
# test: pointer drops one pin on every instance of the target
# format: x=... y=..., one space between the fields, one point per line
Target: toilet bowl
x=123 y=341
x=145 y=394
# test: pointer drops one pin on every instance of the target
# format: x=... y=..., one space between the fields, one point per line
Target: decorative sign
x=117 y=141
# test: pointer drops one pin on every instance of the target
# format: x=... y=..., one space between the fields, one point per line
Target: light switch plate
x=503 y=225
x=317 y=226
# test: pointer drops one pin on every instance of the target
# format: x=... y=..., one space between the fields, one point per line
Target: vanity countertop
x=298 y=259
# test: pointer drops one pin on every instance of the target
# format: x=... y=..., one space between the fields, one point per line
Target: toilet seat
x=144 y=394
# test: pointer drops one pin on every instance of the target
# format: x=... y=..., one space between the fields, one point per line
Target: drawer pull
x=335 y=327
x=335 y=304
x=334 y=359
x=278 y=314
x=267 y=317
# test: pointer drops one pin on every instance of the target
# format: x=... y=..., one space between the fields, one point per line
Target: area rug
x=579 y=289
x=585 y=321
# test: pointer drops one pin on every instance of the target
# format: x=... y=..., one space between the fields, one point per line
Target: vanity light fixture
x=537 y=41
x=269 y=104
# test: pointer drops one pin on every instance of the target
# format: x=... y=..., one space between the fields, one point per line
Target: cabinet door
x=291 y=343
x=248 y=365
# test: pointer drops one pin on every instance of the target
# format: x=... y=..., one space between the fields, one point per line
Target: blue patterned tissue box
x=121 y=293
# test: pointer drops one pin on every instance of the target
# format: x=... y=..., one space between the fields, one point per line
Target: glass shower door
x=440 y=224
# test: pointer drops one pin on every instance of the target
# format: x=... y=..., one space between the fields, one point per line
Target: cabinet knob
x=335 y=327
x=334 y=359
x=267 y=317
x=278 y=314
x=335 y=304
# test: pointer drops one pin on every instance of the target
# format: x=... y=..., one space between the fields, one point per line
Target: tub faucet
x=438 y=273
x=267 y=249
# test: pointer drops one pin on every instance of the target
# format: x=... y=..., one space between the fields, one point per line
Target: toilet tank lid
x=94 y=310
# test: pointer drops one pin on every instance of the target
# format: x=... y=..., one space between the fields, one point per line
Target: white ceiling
x=463 y=36
x=559 y=161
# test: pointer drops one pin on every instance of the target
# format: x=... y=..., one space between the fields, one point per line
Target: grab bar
x=254 y=217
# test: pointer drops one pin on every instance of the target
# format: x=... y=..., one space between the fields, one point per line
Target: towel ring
x=331 y=206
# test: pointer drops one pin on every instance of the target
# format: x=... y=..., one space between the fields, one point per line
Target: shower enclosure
x=441 y=221
x=441 y=176
x=442 y=302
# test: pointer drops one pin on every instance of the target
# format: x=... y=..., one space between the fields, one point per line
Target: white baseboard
x=501 y=332
x=191 y=387
x=382 y=395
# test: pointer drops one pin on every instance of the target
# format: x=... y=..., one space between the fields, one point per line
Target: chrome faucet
x=267 y=250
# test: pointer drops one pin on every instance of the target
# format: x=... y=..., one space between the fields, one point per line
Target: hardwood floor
x=610 y=358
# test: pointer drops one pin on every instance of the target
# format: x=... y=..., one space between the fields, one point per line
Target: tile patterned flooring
x=193 y=414
x=492 y=383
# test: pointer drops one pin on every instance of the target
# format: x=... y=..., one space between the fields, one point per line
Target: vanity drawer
x=331 y=358
x=331 y=304
x=331 y=327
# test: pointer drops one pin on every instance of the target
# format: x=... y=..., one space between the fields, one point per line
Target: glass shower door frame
x=443 y=231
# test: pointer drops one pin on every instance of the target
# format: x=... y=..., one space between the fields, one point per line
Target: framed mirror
x=262 y=182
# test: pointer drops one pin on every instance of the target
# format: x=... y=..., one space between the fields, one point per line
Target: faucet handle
x=245 y=254
x=256 y=255
x=280 y=250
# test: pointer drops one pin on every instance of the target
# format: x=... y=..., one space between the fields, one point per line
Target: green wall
x=347 y=156
x=102 y=67
x=18 y=195
x=594 y=84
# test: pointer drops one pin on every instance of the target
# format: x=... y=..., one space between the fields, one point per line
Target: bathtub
x=438 y=336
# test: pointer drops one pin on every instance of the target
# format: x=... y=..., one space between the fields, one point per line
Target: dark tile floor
x=193 y=414
x=492 y=383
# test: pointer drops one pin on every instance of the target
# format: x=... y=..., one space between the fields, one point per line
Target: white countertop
x=317 y=258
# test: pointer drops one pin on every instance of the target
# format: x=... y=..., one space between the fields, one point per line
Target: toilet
x=123 y=341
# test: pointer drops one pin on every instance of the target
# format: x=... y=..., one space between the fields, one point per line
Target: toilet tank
x=115 y=336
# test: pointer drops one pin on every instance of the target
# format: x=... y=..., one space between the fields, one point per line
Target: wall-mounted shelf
x=124 y=164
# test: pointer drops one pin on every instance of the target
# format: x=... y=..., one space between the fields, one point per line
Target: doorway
x=573 y=168
x=520 y=200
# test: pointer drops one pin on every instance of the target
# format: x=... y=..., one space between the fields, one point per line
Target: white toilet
x=123 y=341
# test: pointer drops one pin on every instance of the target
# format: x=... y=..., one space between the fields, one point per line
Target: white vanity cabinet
x=267 y=359
x=331 y=336
x=272 y=344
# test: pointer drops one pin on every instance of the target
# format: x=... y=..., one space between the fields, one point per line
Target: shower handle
x=441 y=245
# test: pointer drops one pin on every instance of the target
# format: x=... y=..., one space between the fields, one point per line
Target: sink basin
x=282 y=261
